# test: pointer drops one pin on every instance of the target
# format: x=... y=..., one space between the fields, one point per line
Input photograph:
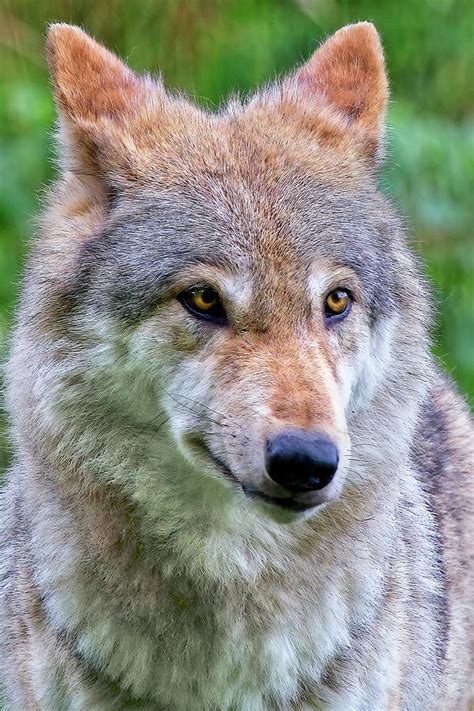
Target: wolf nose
x=301 y=460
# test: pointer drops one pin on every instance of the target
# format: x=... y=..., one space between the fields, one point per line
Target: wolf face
x=229 y=290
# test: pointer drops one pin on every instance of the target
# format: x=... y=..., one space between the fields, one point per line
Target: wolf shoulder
x=444 y=446
x=443 y=452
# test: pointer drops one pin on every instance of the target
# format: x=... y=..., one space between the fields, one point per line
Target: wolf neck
x=199 y=565
x=142 y=503
x=159 y=511
x=210 y=535
x=160 y=553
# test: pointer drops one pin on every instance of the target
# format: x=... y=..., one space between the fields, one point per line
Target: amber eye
x=204 y=302
x=338 y=304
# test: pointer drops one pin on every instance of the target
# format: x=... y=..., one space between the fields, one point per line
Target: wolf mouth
x=215 y=459
x=288 y=503
x=285 y=503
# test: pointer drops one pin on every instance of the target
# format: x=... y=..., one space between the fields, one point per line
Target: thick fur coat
x=147 y=559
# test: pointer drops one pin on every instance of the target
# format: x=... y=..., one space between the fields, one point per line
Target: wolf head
x=221 y=311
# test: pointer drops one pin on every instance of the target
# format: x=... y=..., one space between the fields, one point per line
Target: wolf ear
x=97 y=98
x=90 y=82
x=347 y=75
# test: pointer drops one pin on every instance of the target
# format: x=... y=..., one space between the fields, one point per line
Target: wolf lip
x=217 y=461
x=287 y=503
x=290 y=504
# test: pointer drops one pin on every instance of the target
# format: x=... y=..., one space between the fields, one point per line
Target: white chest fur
x=251 y=644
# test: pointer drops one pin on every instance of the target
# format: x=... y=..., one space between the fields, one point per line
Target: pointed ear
x=98 y=98
x=90 y=82
x=347 y=75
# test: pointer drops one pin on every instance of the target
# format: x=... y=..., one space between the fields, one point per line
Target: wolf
x=241 y=482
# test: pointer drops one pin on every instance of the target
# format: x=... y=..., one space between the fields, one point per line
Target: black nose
x=301 y=460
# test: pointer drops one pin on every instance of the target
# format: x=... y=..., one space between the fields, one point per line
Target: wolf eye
x=338 y=304
x=204 y=302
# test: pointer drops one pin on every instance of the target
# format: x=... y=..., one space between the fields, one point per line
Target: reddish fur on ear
x=347 y=73
x=104 y=107
x=89 y=81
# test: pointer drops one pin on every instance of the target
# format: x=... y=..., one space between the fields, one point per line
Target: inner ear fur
x=346 y=77
x=101 y=103
x=90 y=83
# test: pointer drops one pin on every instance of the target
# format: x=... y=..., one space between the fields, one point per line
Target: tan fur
x=352 y=58
x=137 y=571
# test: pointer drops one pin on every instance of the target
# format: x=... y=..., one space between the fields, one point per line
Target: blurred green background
x=212 y=47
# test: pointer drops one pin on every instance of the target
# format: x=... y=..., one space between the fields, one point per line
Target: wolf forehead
x=265 y=188
x=271 y=239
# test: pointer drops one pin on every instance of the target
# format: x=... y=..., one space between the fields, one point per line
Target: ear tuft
x=89 y=81
x=347 y=73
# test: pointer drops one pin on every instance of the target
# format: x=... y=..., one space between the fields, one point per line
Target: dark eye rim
x=219 y=319
x=330 y=317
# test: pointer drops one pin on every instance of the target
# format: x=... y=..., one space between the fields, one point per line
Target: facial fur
x=271 y=213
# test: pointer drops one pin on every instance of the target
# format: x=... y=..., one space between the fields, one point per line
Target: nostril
x=302 y=460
